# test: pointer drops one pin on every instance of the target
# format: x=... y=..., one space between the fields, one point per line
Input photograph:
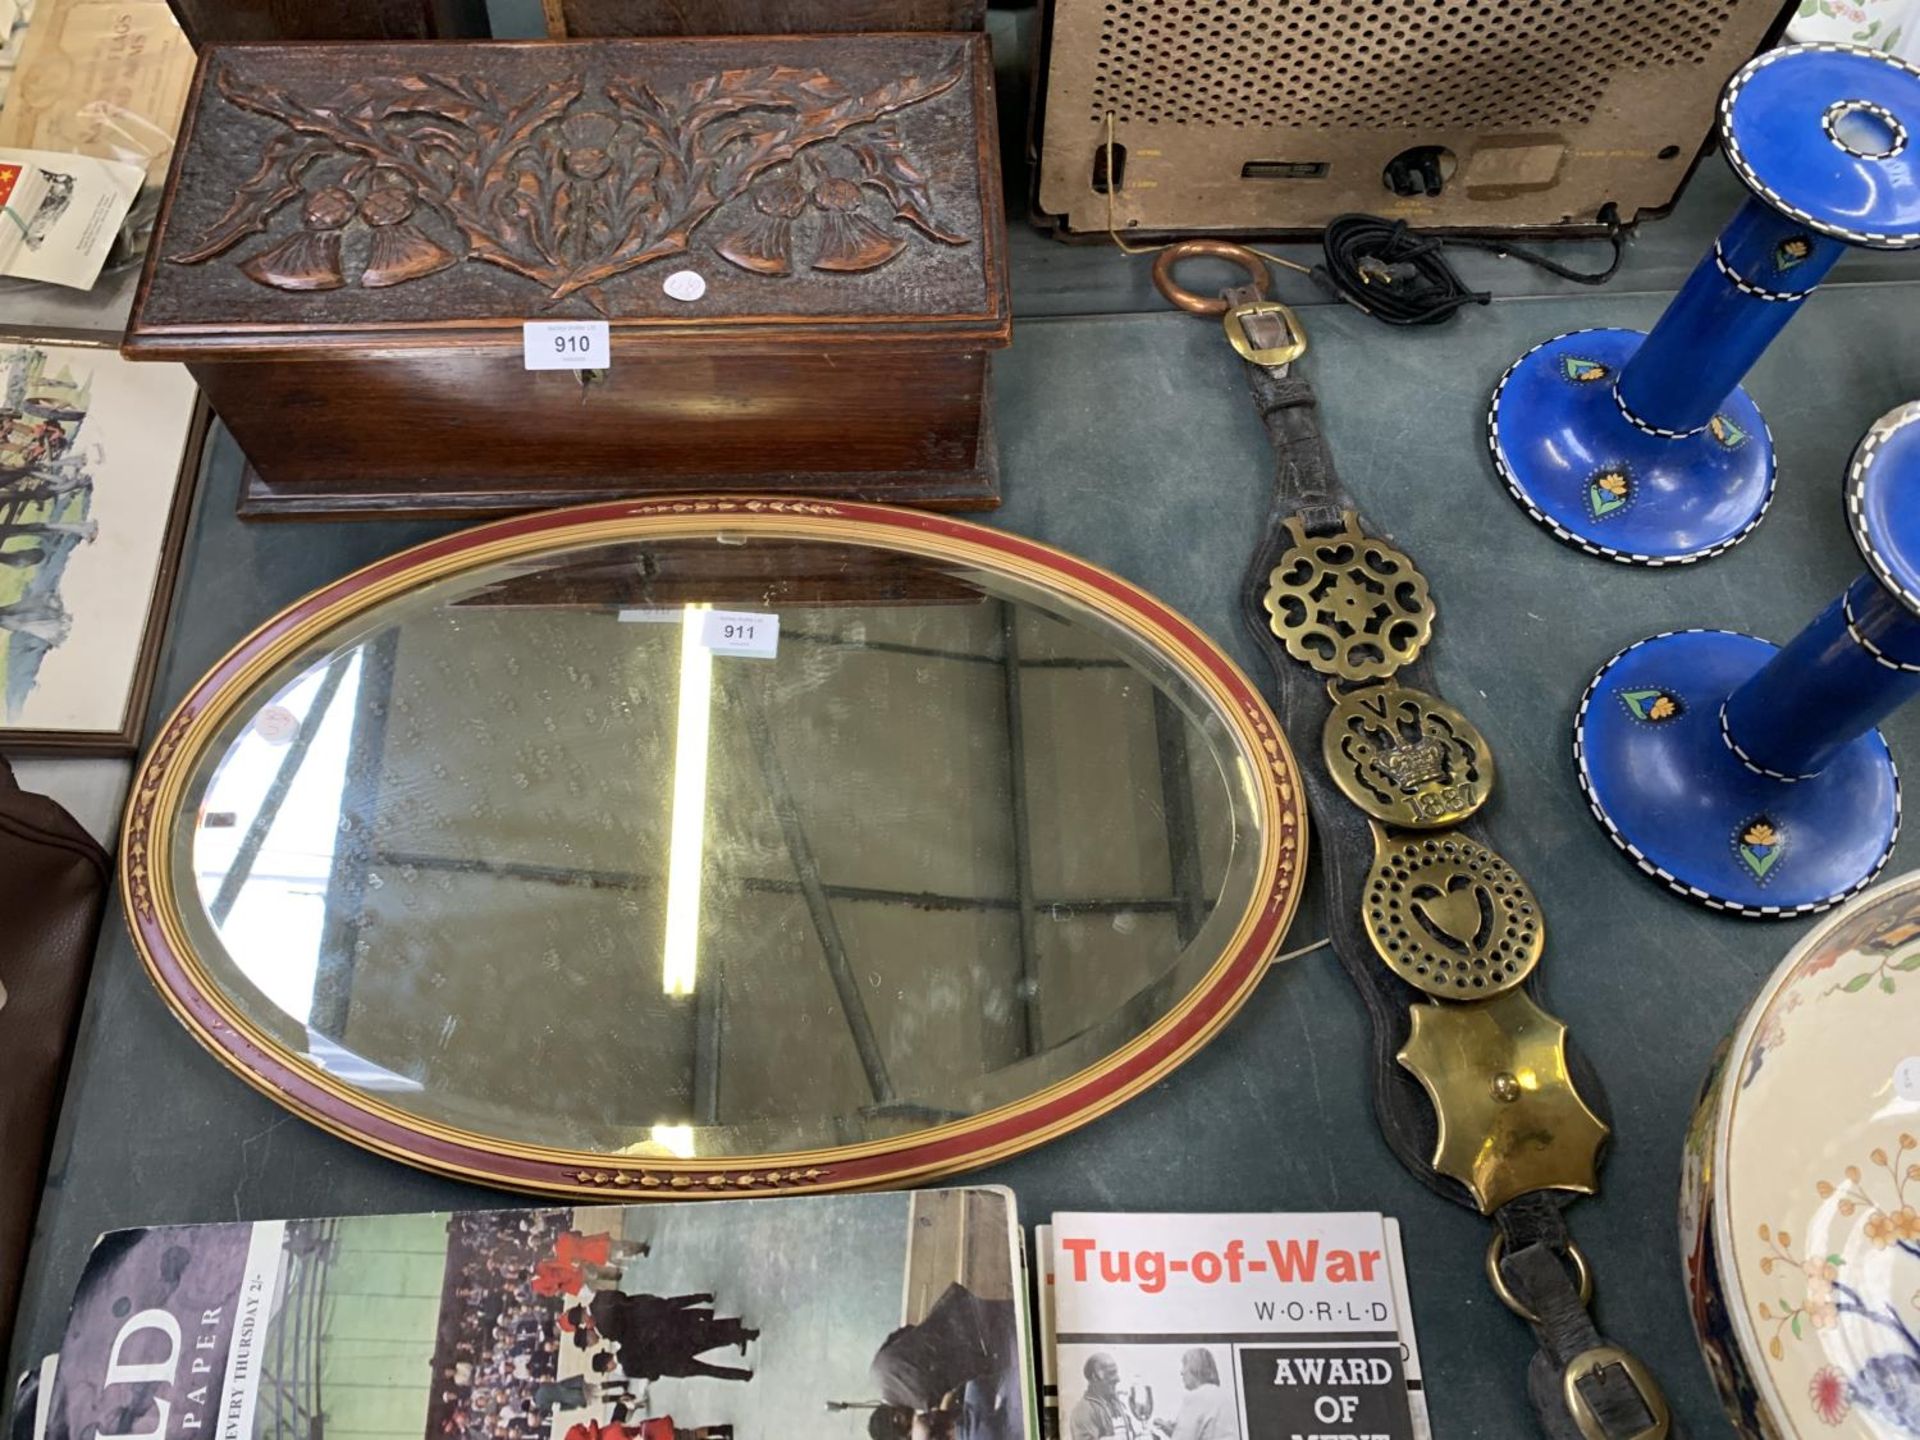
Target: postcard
x=60 y=214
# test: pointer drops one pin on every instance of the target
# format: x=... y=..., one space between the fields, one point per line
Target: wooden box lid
x=392 y=196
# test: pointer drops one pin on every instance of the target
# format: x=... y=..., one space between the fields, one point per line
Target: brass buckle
x=1582 y=1276
x=1233 y=317
x=1585 y=1421
x=1286 y=353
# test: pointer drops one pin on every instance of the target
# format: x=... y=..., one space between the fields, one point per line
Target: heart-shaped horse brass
x=1458 y=916
x=1450 y=916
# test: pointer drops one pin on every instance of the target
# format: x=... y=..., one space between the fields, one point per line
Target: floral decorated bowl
x=1800 y=1198
x=1875 y=24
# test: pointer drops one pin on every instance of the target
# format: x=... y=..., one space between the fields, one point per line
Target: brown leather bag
x=53 y=886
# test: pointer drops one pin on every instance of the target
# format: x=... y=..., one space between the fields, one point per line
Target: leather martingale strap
x=1582 y=1386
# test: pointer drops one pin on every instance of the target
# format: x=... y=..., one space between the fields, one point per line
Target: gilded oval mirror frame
x=157 y=820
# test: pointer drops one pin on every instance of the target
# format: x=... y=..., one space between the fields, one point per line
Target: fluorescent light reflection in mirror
x=687 y=837
x=281 y=908
x=674 y=1139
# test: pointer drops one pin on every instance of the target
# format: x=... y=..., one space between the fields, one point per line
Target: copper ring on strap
x=1583 y=1277
x=1164 y=282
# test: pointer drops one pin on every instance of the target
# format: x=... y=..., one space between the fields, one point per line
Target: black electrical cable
x=1400 y=276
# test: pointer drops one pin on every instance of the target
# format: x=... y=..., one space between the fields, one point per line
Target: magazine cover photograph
x=868 y=1317
x=1166 y=1392
x=1229 y=1327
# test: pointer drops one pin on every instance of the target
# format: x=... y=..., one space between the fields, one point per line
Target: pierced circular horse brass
x=1405 y=757
x=1451 y=917
x=1348 y=604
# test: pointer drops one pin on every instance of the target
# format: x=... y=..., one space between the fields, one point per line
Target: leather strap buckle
x=1587 y=1420
x=1273 y=322
x=1496 y=1277
x=1275 y=340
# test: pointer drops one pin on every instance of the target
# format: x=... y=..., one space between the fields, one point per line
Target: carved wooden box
x=354 y=235
x=756 y=17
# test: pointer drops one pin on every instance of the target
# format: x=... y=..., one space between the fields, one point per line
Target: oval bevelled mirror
x=714 y=847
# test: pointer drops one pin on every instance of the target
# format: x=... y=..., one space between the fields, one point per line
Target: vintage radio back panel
x=1243 y=116
x=354 y=236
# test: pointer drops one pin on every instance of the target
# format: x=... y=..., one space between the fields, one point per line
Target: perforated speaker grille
x=1398 y=65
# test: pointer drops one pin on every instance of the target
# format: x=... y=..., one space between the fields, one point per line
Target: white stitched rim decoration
x=1887 y=426
x=1647 y=427
x=1726 y=738
x=1668 y=878
x=1843 y=110
x=1580 y=543
x=1747 y=287
x=1736 y=158
x=1880 y=657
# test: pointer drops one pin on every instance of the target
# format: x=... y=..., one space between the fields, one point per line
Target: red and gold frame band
x=153 y=904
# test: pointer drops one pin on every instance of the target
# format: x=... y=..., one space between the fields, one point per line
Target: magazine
x=29 y=1415
x=1218 y=1327
x=1049 y=1377
x=860 y=1317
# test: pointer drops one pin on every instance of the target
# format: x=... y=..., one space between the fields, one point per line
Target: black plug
x=1375 y=271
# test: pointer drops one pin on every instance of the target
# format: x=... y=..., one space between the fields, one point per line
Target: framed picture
x=97 y=461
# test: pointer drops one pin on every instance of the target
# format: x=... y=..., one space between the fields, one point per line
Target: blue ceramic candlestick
x=1751 y=778
x=1644 y=448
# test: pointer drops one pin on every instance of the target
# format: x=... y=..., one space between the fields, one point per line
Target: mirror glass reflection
x=722 y=846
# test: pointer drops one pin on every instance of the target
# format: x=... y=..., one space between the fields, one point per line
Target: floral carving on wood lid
x=569 y=184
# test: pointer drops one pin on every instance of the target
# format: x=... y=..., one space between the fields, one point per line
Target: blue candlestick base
x=1580 y=466
x=1662 y=777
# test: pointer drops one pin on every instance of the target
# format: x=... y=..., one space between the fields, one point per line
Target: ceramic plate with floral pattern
x=1875 y=24
x=1801 y=1207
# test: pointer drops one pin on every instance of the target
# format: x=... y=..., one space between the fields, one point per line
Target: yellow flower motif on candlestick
x=1613 y=482
x=1661 y=708
x=1761 y=833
